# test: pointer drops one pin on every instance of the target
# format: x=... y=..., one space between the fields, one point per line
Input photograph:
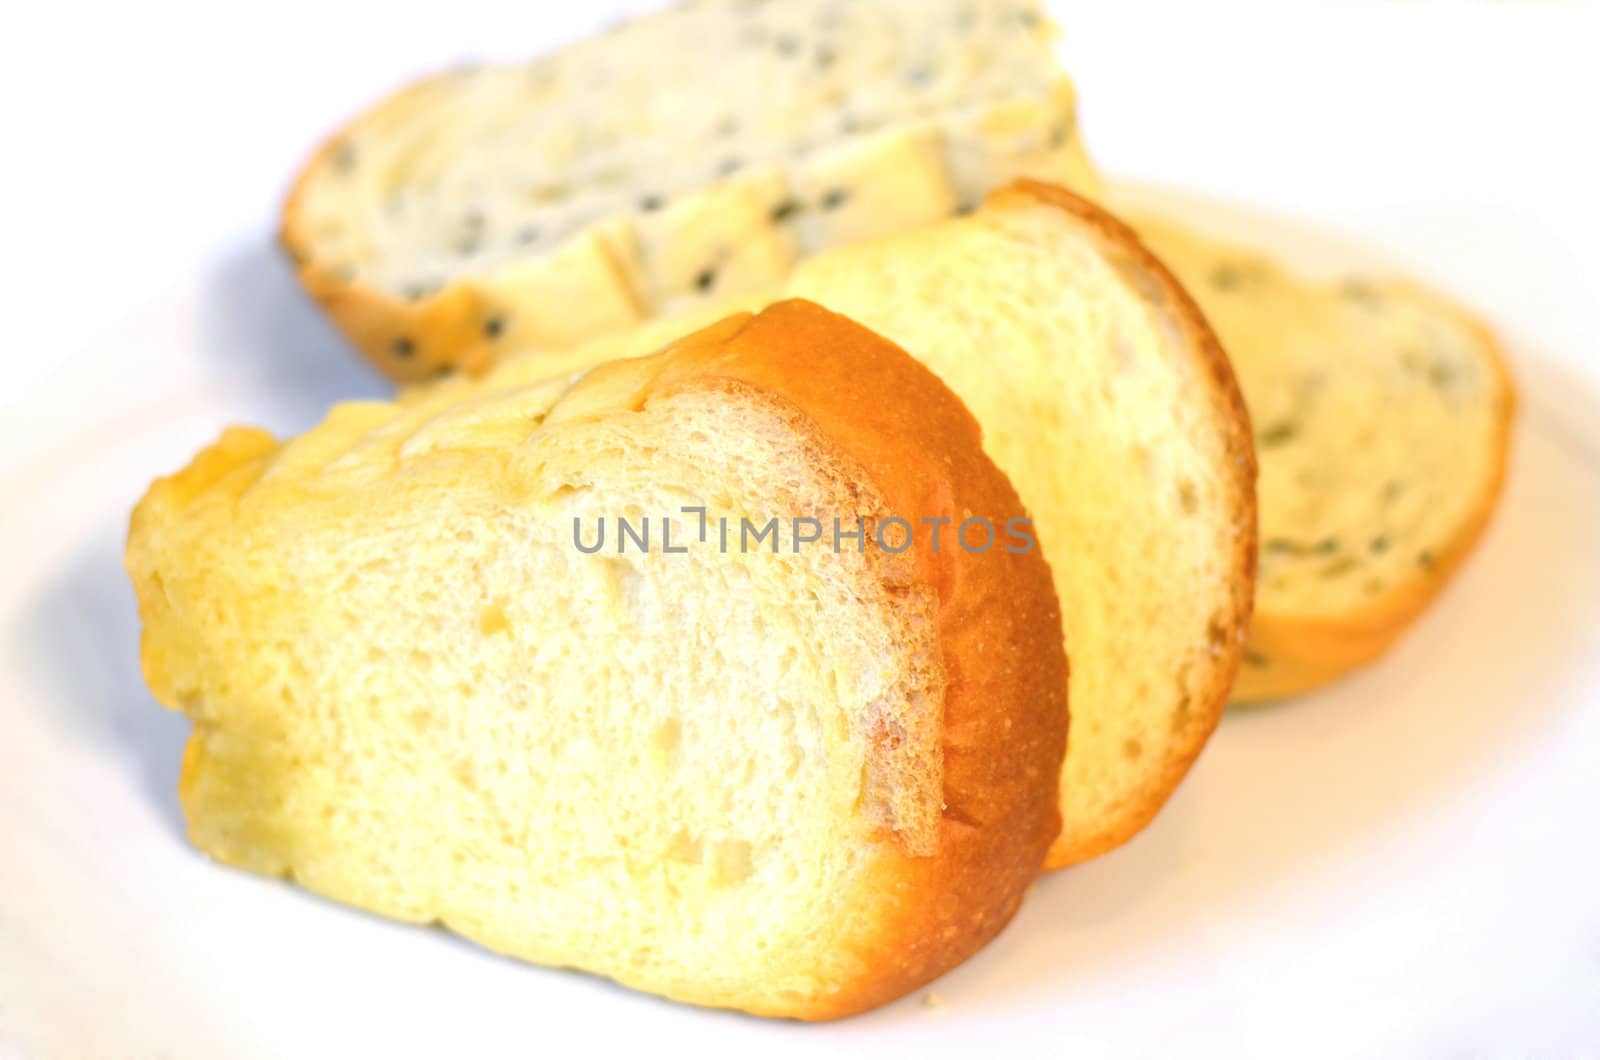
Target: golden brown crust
x=1307 y=653
x=1005 y=713
x=1232 y=421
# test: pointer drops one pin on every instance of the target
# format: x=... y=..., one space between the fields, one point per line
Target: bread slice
x=688 y=155
x=774 y=776
x=1105 y=398
x=1383 y=418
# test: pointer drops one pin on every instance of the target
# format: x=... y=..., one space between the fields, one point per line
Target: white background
x=1408 y=865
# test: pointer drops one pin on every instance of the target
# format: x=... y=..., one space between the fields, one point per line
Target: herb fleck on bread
x=692 y=154
x=1383 y=421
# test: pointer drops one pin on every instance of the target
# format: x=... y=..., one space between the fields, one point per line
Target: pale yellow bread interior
x=1104 y=398
x=1382 y=417
x=798 y=782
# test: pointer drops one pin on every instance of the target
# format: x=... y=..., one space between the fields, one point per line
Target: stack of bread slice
x=794 y=781
x=1105 y=398
x=415 y=227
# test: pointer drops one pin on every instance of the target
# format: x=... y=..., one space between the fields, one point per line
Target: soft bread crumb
x=1383 y=418
x=717 y=776
x=1105 y=398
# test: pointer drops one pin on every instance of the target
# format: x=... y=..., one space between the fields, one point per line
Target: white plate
x=1404 y=865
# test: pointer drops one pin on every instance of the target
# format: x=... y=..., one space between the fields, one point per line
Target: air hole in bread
x=732 y=862
x=665 y=746
x=492 y=620
x=625 y=583
x=1188 y=497
x=1180 y=715
x=684 y=848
